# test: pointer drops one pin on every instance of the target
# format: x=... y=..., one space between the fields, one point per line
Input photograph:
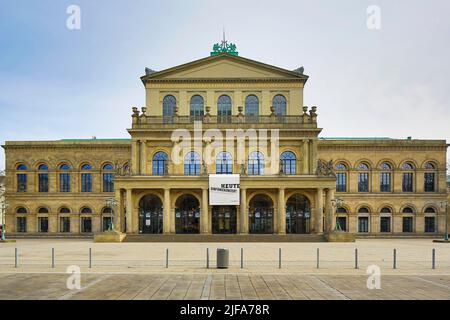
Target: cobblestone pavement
x=222 y=286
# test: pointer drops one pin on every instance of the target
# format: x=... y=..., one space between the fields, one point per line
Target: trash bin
x=222 y=258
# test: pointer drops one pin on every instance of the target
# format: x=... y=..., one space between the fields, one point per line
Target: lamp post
x=111 y=203
x=337 y=203
x=444 y=204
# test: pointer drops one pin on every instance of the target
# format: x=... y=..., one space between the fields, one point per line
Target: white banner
x=224 y=189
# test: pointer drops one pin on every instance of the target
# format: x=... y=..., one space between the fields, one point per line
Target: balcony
x=306 y=120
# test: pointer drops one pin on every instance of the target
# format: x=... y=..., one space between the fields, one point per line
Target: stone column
x=281 y=212
x=319 y=211
x=305 y=155
x=204 y=214
x=118 y=214
x=166 y=214
x=329 y=210
x=143 y=158
x=129 y=211
x=243 y=216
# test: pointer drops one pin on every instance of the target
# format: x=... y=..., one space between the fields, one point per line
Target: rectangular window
x=407 y=224
x=342 y=221
x=108 y=184
x=363 y=182
x=64 y=224
x=43 y=182
x=22 y=182
x=385 y=224
x=385 y=182
x=64 y=182
x=106 y=223
x=430 y=224
x=430 y=185
x=86 y=182
x=408 y=182
x=21 y=224
x=363 y=224
x=86 y=225
x=43 y=224
x=341 y=182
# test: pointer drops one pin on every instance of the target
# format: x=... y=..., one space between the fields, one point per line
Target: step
x=224 y=238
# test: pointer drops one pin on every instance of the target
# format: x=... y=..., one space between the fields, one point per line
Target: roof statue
x=224 y=47
x=149 y=71
x=300 y=70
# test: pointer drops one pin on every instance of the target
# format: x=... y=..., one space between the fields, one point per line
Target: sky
x=391 y=81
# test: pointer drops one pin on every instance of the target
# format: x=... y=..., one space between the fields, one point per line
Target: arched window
x=363 y=221
x=22 y=167
x=22 y=178
x=341 y=177
x=86 y=210
x=363 y=177
x=386 y=177
x=341 y=210
x=86 y=178
x=408 y=210
x=289 y=162
x=408 y=177
x=43 y=210
x=196 y=107
x=224 y=163
x=430 y=177
x=43 y=178
x=430 y=210
x=159 y=163
x=251 y=108
x=256 y=163
x=192 y=164
x=224 y=109
x=108 y=177
x=21 y=210
x=107 y=210
x=279 y=104
x=64 y=210
x=64 y=178
x=169 y=104
x=386 y=210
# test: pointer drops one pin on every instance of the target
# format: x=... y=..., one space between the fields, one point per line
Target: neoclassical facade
x=218 y=118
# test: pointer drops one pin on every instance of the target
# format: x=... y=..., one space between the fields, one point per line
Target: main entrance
x=224 y=219
x=298 y=214
x=187 y=214
x=261 y=214
x=150 y=215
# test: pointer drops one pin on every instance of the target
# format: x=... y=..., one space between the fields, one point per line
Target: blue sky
x=56 y=83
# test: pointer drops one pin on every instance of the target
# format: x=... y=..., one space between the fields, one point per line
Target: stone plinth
x=109 y=236
x=340 y=236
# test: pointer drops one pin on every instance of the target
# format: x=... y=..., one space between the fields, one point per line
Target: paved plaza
x=138 y=270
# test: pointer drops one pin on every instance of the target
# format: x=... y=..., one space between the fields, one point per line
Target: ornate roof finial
x=224 y=47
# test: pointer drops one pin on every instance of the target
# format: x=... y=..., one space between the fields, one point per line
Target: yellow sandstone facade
x=236 y=118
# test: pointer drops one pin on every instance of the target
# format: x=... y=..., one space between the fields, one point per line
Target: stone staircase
x=224 y=238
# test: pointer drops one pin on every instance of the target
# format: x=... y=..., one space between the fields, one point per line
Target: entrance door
x=150 y=215
x=224 y=219
x=298 y=215
x=261 y=214
x=187 y=214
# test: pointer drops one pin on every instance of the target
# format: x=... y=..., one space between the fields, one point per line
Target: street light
x=337 y=202
x=111 y=203
x=444 y=204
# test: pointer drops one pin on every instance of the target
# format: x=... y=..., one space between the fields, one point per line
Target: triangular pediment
x=224 y=66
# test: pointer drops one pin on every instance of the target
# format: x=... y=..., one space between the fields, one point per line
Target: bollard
x=317 y=259
x=356 y=259
x=16 y=258
x=90 y=258
x=242 y=258
x=207 y=258
x=433 y=259
x=279 y=258
x=53 y=257
x=167 y=258
x=395 y=259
